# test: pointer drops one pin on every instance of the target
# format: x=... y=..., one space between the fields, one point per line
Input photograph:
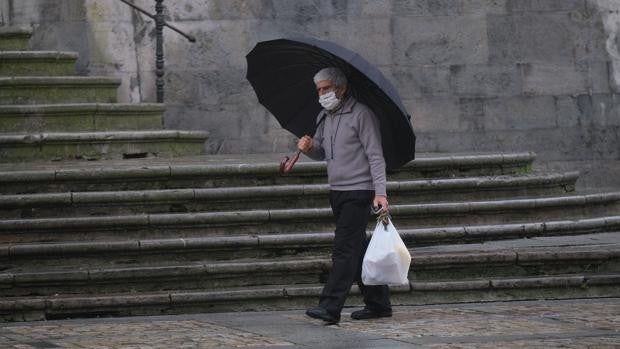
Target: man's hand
x=304 y=144
x=380 y=201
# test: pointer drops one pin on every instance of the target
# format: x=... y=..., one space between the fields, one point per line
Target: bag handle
x=383 y=217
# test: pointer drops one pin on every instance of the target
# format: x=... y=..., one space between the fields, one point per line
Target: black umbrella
x=281 y=73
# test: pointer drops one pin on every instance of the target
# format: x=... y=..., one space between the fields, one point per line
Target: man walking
x=349 y=140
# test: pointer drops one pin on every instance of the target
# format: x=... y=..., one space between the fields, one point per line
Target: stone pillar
x=5 y=13
x=610 y=10
x=112 y=46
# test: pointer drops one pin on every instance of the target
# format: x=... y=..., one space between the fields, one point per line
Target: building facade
x=477 y=75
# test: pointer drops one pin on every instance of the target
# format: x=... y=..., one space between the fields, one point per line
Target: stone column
x=611 y=20
x=5 y=13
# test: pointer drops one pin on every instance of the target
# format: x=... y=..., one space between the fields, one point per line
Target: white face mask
x=329 y=100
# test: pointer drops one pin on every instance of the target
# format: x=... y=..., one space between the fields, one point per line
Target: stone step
x=560 y=255
x=228 y=170
x=58 y=89
x=81 y=117
x=37 y=63
x=301 y=296
x=261 y=246
x=151 y=226
x=72 y=204
x=98 y=145
x=13 y=38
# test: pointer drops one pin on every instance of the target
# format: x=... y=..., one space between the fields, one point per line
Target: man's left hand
x=380 y=201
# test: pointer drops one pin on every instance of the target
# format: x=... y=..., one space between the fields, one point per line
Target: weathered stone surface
x=562 y=48
x=565 y=281
x=484 y=80
x=41 y=63
x=15 y=38
x=440 y=40
x=53 y=90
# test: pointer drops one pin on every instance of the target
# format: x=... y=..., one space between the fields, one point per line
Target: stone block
x=545 y=38
x=485 y=80
x=364 y=36
x=364 y=8
x=111 y=275
x=209 y=218
x=435 y=113
x=450 y=285
x=433 y=234
x=542 y=282
x=590 y=37
x=6 y=280
x=221 y=296
x=29 y=304
x=549 y=144
x=218 y=10
x=15 y=39
x=222 y=242
x=440 y=40
x=61 y=199
x=470 y=257
x=545 y=6
x=50 y=277
x=213 y=49
x=545 y=255
x=49 y=94
x=612 y=279
x=597 y=110
x=118 y=39
x=65 y=36
x=303 y=10
x=94 y=302
x=520 y=113
x=109 y=173
x=79 y=247
x=503 y=40
x=490 y=232
x=293 y=291
x=421 y=81
x=544 y=79
x=446 y=7
x=296 y=240
x=302 y=214
x=37 y=64
x=162 y=244
x=530 y=38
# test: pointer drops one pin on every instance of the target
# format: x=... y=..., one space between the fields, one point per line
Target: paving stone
x=578 y=323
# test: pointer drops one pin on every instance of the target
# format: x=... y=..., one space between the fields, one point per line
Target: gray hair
x=332 y=74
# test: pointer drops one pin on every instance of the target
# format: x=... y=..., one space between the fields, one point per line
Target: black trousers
x=351 y=210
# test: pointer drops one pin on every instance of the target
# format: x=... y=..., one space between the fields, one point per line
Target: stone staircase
x=223 y=233
x=48 y=113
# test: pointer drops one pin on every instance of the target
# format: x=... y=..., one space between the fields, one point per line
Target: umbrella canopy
x=281 y=72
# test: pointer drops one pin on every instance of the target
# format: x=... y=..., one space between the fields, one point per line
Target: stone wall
x=477 y=75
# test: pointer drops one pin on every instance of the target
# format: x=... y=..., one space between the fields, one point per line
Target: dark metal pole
x=159 y=50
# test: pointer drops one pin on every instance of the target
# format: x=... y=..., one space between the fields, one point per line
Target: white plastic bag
x=387 y=259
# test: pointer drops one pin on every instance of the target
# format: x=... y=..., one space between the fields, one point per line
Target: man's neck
x=339 y=106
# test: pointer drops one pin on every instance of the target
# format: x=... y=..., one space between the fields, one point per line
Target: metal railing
x=160 y=23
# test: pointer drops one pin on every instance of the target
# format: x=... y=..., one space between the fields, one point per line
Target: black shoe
x=366 y=314
x=322 y=314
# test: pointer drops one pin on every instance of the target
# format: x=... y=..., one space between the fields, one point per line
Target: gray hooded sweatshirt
x=349 y=140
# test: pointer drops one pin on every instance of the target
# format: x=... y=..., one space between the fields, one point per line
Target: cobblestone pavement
x=593 y=323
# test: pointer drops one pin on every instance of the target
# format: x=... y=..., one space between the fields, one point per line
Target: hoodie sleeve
x=317 y=152
x=370 y=137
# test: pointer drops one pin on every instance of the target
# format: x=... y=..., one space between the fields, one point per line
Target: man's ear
x=342 y=90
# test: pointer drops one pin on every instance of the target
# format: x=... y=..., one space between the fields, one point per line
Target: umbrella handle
x=286 y=164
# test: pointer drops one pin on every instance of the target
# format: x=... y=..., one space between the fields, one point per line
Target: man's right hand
x=304 y=144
